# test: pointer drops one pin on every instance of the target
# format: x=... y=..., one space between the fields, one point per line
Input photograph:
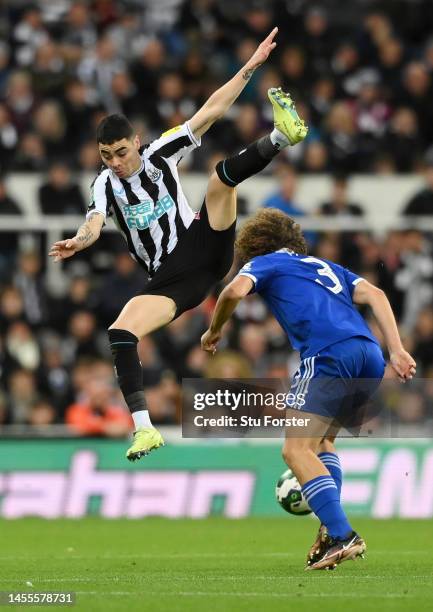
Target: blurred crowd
x=55 y=363
x=361 y=73
x=362 y=77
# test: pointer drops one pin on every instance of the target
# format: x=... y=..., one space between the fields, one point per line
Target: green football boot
x=145 y=440
x=286 y=119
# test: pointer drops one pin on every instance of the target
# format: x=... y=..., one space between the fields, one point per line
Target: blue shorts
x=338 y=382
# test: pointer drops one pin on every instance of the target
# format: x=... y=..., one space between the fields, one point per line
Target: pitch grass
x=215 y=564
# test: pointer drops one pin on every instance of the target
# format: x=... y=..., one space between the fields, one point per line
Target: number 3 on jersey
x=325 y=270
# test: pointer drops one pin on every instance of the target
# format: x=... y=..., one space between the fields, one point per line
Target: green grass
x=215 y=564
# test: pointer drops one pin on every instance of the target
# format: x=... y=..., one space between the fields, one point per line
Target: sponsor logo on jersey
x=142 y=215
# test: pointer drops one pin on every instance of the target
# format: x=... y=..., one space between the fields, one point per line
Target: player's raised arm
x=224 y=308
x=221 y=100
x=86 y=235
x=366 y=293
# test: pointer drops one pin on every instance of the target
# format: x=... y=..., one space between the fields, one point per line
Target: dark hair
x=113 y=128
x=268 y=231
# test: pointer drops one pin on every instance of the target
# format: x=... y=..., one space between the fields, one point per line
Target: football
x=289 y=495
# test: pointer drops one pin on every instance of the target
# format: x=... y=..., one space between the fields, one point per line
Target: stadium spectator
x=49 y=123
x=253 y=345
x=48 y=71
x=126 y=100
x=84 y=338
x=318 y=38
x=42 y=414
x=60 y=195
x=8 y=139
x=422 y=202
x=97 y=70
x=342 y=139
x=53 y=377
x=89 y=159
x=22 y=346
x=423 y=339
x=416 y=94
x=31 y=155
x=402 y=141
x=11 y=307
x=283 y=199
x=28 y=34
x=78 y=111
x=414 y=278
x=126 y=281
x=79 y=33
x=315 y=158
x=22 y=395
x=80 y=296
x=339 y=203
x=20 y=100
x=97 y=414
x=28 y=279
x=8 y=206
x=5 y=58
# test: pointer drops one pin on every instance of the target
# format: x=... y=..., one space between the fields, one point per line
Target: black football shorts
x=201 y=258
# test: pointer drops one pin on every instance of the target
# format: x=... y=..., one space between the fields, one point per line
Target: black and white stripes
x=149 y=207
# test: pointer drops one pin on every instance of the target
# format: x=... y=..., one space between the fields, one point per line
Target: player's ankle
x=278 y=139
x=141 y=419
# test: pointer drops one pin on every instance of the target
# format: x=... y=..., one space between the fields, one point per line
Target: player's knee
x=289 y=453
x=295 y=450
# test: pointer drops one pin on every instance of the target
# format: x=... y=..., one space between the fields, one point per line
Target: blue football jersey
x=311 y=298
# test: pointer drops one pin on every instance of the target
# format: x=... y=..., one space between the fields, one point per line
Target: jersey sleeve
x=98 y=196
x=351 y=279
x=260 y=270
x=175 y=143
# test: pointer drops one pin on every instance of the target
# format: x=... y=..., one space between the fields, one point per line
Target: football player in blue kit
x=314 y=301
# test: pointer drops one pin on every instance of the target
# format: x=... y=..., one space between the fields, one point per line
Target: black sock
x=127 y=366
x=248 y=162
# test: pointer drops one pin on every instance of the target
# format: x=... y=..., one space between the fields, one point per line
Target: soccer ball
x=289 y=495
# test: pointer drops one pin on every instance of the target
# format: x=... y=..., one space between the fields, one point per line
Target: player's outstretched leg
x=141 y=315
x=289 y=129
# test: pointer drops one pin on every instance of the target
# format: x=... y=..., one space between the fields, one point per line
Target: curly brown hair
x=266 y=232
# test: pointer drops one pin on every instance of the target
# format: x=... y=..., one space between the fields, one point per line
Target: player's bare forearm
x=89 y=232
x=222 y=99
x=366 y=293
x=86 y=235
x=401 y=361
x=224 y=308
x=229 y=298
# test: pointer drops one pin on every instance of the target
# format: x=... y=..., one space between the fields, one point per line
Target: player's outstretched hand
x=263 y=50
x=209 y=341
x=64 y=249
x=403 y=364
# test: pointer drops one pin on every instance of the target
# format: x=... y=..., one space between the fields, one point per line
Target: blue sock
x=321 y=494
x=332 y=463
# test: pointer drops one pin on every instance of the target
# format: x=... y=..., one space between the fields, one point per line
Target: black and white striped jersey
x=149 y=207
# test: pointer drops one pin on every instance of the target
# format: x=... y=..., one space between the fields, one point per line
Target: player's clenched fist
x=64 y=249
x=403 y=364
x=209 y=341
